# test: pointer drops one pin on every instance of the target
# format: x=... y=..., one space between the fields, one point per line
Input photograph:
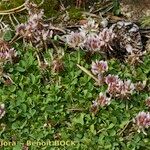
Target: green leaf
x=7 y=36
x=12 y=88
x=24 y=107
x=123 y=123
x=79 y=119
x=17 y=147
x=33 y=79
x=16 y=125
x=111 y=126
x=23 y=124
x=92 y=129
x=20 y=69
x=112 y=132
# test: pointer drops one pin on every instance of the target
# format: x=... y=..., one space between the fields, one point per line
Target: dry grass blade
x=88 y=72
x=13 y=10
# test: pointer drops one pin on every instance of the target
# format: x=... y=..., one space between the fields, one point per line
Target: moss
x=50 y=6
x=145 y=21
x=4 y=5
x=75 y=14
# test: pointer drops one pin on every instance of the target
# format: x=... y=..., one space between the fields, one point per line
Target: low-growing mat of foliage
x=74 y=87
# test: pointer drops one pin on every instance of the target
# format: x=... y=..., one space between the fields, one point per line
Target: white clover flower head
x=102 y=100
x=142 y=120
x=114 y=89
x=118 y=87
x=111 y=79
x=35 y=30
x=92 y=43
x=75 y=39
x=128 y=86
x=20 y=30
x=6 y=52
x=106 y=37
x=147 y=101
x=95 y=103
x=2 y=110
x=95 y=107
x=90 y=26
x=99 y=67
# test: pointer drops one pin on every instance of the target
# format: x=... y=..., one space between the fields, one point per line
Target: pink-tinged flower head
x=114 y=89
x=6 y=52
x=142 y=120
x=75 y=39
x=95 y=107
x=113 y=83
x=35 y=30
x=106 y=38
x=99 y=67
x=106 y=35
x=126 y=88
x=102 y=100
x=2 y=110
x=111 y=79
x=90 y=26
x=21 y=29
x=148 y=101
x=119 y=88
x=92 y=43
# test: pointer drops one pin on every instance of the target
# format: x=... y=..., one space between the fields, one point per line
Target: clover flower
x=111 y=79
x=148 y=101
x=101 y=79
x=95 y=107
x=6 y=52
x=106 y=37
x=21 y=29
x=113 y=83
x=90 y=26
x=57 y=65
x=122 y=89
x=119 y=88
x=2 y=110
x=121 y=40
x=92 y=43
x=114 y=89
x=140 y=86
x=99 y=67
x=126 y=88
x=75 y=39
x=35 y=31
x=142 y=120
x=102 y=100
